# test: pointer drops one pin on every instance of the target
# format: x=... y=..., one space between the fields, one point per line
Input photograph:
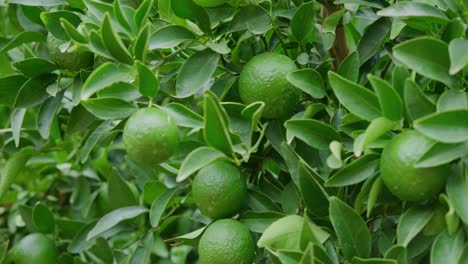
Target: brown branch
x=339 y=50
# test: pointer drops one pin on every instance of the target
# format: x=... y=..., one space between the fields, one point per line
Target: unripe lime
x=35 y=249
x=72 y=60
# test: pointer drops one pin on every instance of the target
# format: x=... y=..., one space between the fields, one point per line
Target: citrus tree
x=233 y=131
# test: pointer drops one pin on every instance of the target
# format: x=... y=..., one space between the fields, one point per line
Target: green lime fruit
x=399 y=173
x=218 y=190
x=150 y=136
x=209 y=3
x=226 y=241
x=35 y=248
x=73 y=60
x=263 y=78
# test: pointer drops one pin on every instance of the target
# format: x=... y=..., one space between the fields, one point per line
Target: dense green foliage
x=329 y=131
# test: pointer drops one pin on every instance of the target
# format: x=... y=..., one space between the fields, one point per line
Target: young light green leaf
x=447 y=248
x=446 y=127
x=457 y=191
x=148 y=82
x=375 y=190
x=373 y=38
x=11 y=169
x=356 y=98
x=216 y=130
x=458 y=55
x=309 y=81
x=349 y=67
x=311 y=187
x=427 y=56
x=113 y=218
x=188 y=237
x=121 y=17
x=377 y=128
x=412 y=222
x=329 y=27
x=314 y=133
x=441 y=153
x=38 y=2
x=284 y=233
x=104 y=76
x=72 y=32
x=184 y=116
x=416 y=103
x=159 y=206
x=389 y=99
x=113 y=43
x=196 y=72
x=198 y=159
x=355 y=172
x=169 y=37
x=302 y=22
x=16 y=123
x=142 y=12
x=43 y=219
x=47 y=112
x=353 y=233
x=109 y=108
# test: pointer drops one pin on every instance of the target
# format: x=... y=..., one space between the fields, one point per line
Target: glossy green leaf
x=258 y=222
x=329 y=27
x=196 y=72
x=309 y=81
x=101 y=131
x=22 y=38
x=357 y=260
x=9 y=88
x=141 y=14
x=356 y=98
x=446 y=127
x=34 y=67
x=312 y=190
x=414 y=10
x=412 y=222
x=389 y=99
x=184 y=116
x=447 y=248
x=397 y=252
x=72 y=32
x=189 y=10
x=457 y=191
x=314 y=133
x=216 y=131
x=52 y=22
x=441 y=153
x=11 y=169
x=47 y=112
x=353 y=234
x=355 y=172
x=113 y=43
x=141 y=44
x=349 y=67
x=104 y=76
x=169 y=37
x=373 y=38
x=451 y=100
x=17 y=117
x=148 y=82
x=43 y=219
x=109 y=108
x=416 y=102
x=302 y=22
x=427 y=56
x=458 y=55
x=113 y=218
x=120 y=194
x=159 y=206
x=375 y=190
x=284 y=233
x=37 y=2
x=34 y=92
x=198 y=159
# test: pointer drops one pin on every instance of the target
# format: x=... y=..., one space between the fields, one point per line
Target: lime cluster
x=219 y=192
